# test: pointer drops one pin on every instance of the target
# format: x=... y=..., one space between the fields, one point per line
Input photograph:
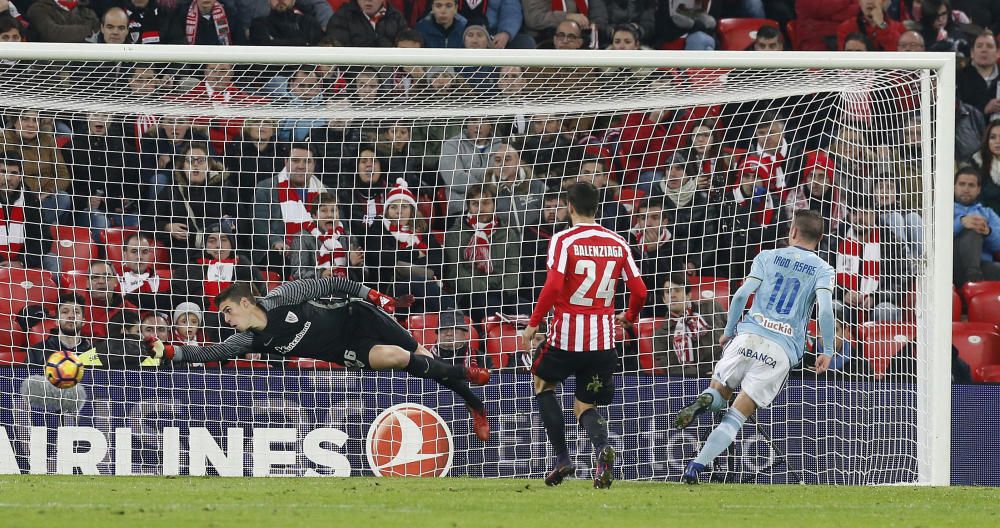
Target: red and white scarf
x=582 y=6
x=148 y=282
x=775 y=163
x=858 y=262
x=331 y=253
x=379 y=15
x=760 y=215
x=478 y=250
x=219 y=274
x=688 y=329
x=12 y=229
x=404 y=235
x=296 y=212
x=67 y=5
x=218 y=17
x=474 y=5
x=643 y=240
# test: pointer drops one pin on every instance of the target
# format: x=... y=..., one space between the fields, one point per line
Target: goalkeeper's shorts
x=755 y=363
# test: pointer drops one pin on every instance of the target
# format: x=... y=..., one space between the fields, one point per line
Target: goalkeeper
x=298 y=319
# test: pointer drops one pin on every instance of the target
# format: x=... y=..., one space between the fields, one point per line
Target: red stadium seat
x=978 y=344
x=985 y=308
x=74 y=247
x=739 y=33
x=12 y=343
x=882 y=341
x=676 y=44
x=424 y=328
x=972 y=289
x=956 y=306
x=503 y=342
x=644 y=329
x=710 y=288
x=272 y=280
x=75 y=281
x=19 y=287
x=987 y=373
x=792 y=28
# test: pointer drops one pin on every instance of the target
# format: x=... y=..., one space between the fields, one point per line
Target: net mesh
x=146 y=188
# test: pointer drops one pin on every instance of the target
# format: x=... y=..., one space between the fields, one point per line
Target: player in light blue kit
x=770 y=338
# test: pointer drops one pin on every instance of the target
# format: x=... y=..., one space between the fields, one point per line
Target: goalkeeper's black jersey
x=298 y=324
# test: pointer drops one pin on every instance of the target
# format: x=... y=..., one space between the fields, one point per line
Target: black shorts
x=594 y=371
x=368 y=326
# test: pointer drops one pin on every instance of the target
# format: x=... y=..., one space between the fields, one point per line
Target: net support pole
x=934 y=388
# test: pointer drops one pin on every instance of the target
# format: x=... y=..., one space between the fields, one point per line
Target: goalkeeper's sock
x=721 y=437
x=552 y=418
x=718 y=402
x=423 y=366
x=596 y=427
x=461 y=387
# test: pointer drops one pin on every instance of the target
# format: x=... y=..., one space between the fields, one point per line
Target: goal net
x=140 y=182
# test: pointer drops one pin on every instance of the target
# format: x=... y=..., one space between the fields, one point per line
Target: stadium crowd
x=458 y=213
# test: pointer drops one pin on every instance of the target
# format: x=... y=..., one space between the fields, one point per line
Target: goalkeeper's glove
x=387 y=303
x=154 y=348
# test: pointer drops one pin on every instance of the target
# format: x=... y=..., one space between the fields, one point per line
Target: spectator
x=139 y=281
x=816 y=192
x=690 y=20
x=283 y=205
x=114 y=28
x=639 y=14
x=203 y=22
x=453 y=344
x=161 y=149
x=625 y=37
x=940 y=23
x=655 y=248
x=686 y=343
x=216 y=89
x=328 y=250
x=705 y=158
x=336 y=143
x=464 y=159
x=443 y=27
x=771 y=149
x=199 y=195
x=63 y=20
x=43 y=169
x=910 y=40
x=106 y=183
x=568 y=36
x=285 y=26
x=102 y=299
x=396 y=152
x=977 y=231
x=145 y=21
x=643 y=146
x=188 y=325
x=143 y=83
x=610 y=212
x=518 y=192
x=67 y=336
x=819 y=20
x=542 y=17
x=303 y=90
x=987 y=160
x=874 y=23
x=246 y=11
x=482 y=257
x=857 y=42
x=535 y=244
x=476 y=36
x=984 y=13
x=546 y=148
x=367 y=23
x=768 y=38
x=252 y=156
x=872 y=267
x=905 y=224
x=977 y=82
x=362 y=196
x=503 y=20
x=970 y=128
x=747 y=220
x=10 y=29
x=685 y=203
x=20 y=245
x=407 y=259
x=156 y=324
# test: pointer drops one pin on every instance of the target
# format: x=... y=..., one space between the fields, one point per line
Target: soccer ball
x=64 y=370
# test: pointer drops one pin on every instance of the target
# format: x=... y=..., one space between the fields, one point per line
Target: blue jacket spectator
x=977 y=231
x=503 y=18
x=443 y=27
x=302 y=90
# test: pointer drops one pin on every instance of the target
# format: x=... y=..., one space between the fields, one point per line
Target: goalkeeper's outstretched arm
x=234 y=346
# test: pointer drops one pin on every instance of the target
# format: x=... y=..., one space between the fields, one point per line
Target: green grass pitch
x=36 y=501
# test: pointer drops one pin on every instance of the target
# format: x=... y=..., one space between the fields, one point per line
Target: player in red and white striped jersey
x=583 y=268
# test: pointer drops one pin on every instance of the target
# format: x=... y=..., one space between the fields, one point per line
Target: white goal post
x=559 y=88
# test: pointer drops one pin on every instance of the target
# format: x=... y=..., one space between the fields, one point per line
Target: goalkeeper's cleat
x=480 y=424
x=563 y=469
x=690 y=475
x=603 y=475
x=689 y=413
x=477 y=375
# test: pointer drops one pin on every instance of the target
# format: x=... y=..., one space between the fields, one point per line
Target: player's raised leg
x=712 y=399
x=721 y=437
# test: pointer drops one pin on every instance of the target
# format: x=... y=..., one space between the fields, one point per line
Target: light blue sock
x=717 y=401
x=721 y=437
